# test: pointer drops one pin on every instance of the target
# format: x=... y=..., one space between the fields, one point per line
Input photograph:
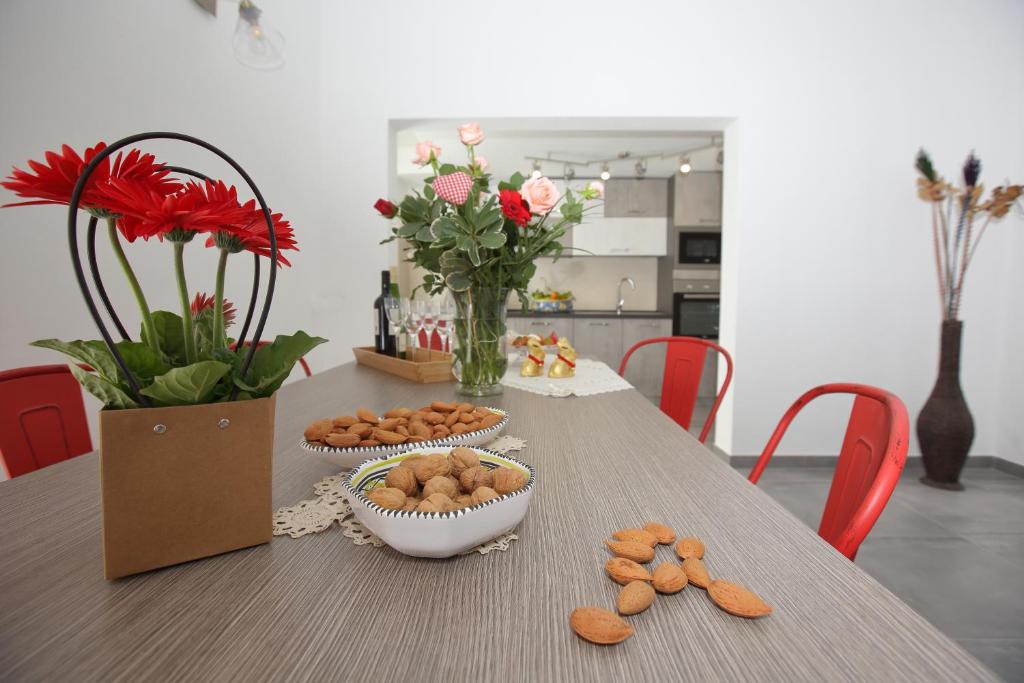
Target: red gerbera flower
x=514 y=207
x=54 y=181
x=197 y=208
x=253 y=236
x=202 y=302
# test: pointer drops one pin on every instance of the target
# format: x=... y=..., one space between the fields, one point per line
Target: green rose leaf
x=492 y=240
x=474 y=253
x=189 y=385
x=93 y=353
x=274 y=362
x=409 y=229
x=457 y=282
x=170 y=336
x=424 y=234
x=112 y=396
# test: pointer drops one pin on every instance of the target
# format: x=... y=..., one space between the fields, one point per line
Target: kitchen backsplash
x=595 y=280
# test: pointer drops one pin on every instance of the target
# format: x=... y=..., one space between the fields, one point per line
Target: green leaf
x=457 y=282
x=428 y=192
x=273 y=363
x=474 y=253
x=170 y=336
x=424 y=234
x=93 y=353
x=190 y=385
x=409 y=229
x=144 y=362
x=447 y=169
x=111 y=395
x=492 y=240
x=444 y=227
x=514 y=183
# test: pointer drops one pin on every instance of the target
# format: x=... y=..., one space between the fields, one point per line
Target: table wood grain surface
x=322 y=608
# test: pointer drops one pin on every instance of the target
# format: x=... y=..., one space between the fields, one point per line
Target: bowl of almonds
x=347 y=440
x=440 y=501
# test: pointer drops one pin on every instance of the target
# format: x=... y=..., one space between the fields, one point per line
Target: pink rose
x=541 y=194
x=423 y=152
x=470 y=134
x=595 y=189
x=481 y=163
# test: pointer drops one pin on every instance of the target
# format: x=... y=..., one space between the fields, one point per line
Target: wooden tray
x=437 y=369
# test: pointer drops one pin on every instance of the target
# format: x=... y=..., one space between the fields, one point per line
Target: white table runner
x=592 y=377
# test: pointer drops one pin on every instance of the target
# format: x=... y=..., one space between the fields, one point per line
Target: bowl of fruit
x=441 y=501
x=551 y=301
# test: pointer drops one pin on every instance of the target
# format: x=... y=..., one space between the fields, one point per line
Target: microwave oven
x=699 y=248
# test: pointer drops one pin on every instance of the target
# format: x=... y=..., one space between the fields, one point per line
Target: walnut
x=431 y=466
x=437 y=502
x=507 y=480
x=464 y=500
x=440 y=485
x=473 y=478
x=483 y=494
x=387 y=497
x=403 y=479
x=461 y=459
x=410 y=460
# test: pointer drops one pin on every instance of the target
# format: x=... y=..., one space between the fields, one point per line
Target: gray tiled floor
x=955 y=557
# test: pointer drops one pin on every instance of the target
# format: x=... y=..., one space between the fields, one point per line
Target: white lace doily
x=315 y=516
x=592 y=377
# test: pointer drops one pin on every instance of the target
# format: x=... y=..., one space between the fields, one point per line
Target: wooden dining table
x=320 y=607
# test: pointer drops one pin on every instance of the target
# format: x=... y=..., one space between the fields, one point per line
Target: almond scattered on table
x=599 y=626
x=623 y=571
x=669 y=578
x=691 y=546
x=696 y=572
x=631 y=550
x=637 y=536
x=634 y=598
x=663 y=533
x=737 y=600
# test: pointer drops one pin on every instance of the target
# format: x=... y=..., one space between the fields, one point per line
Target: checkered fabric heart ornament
x=453 y=188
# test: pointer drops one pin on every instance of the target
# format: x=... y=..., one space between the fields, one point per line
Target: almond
x=669 y=578
x=421 y=430
x=361 y=428
x=623 y=571
x=387 y=437
x=433 y=418
x=637 y=536
x=345 y=421
x=635 y=597
x=318 y=430
x=343 y=440
x=631 y=550
x=663 y=533
x=398 y=412
x=442 y=407
x=490 y=420
x=696 y=572
x=389 y=424
x=452 y=418
x=367 y=415
x=465 y=407
x=737 y=600
x=599 y=625
x=690 y=546
x=440 y=431
x=367 y=443
x=459 y=428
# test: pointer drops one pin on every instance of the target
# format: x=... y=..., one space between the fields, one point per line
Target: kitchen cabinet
x=543 y=326
x=636 y=198
x=621 y=237
x=698 y=200
x=647 y=365
x=599 y=338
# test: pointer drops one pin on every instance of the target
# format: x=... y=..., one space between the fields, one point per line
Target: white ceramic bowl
x=437 y=534
x=350 y=457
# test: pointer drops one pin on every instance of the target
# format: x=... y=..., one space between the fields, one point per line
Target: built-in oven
x=699 y=247
x=695 y=314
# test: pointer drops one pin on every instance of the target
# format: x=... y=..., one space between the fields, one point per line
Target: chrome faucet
x=622 y=301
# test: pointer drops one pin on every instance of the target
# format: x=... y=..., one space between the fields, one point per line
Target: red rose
x=386 y=208
x=514 y=207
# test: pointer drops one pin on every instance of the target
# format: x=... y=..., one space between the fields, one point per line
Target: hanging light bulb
x=569 y=173
x=684 y=166
x=256 y=45
x=536 y=169
x=641 y=168
x=605 y=173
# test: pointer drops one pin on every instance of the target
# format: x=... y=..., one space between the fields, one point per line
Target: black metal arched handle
x=76 y=260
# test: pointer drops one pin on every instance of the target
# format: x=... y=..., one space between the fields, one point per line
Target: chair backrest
x=680 y=382
x=42 y=418
x=870 y=462
x=302 y=360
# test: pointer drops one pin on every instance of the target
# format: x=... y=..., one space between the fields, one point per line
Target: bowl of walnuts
x=347 y=440
x=440 y=501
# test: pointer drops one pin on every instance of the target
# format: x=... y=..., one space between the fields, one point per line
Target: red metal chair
x=684 y=365
x=42 y=418
x=302 y=360
x=870 y=462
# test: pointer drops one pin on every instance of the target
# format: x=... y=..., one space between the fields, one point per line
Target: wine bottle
x=383 y=341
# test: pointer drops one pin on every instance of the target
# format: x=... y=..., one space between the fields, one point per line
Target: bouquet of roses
x=464 y=235
x=181 y=359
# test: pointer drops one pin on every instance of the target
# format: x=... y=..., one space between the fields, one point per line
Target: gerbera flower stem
x=186 y=308
x=133 y=282
x=218 y=301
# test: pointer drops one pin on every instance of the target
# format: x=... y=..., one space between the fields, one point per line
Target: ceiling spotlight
x=605 y=173
x=684 y=166
x=536 y=169
x=641 y=168
x=569 y=172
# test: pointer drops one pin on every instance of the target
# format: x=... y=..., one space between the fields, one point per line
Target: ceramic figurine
x=565 y=364
x=533 y=365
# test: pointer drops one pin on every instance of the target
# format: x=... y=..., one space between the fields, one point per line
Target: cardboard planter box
x=183 y=483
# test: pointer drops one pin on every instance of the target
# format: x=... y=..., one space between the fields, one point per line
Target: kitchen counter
x=519 y=313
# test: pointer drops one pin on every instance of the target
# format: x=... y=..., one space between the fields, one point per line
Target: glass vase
x=480 y=358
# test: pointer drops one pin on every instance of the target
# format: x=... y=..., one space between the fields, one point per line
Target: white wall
x=830 y=277
x=831 y=273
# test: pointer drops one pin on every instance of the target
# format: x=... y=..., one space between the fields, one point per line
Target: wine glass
x=393 y=309
x=415 y=320
x=429 y=323
x=445 y=317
